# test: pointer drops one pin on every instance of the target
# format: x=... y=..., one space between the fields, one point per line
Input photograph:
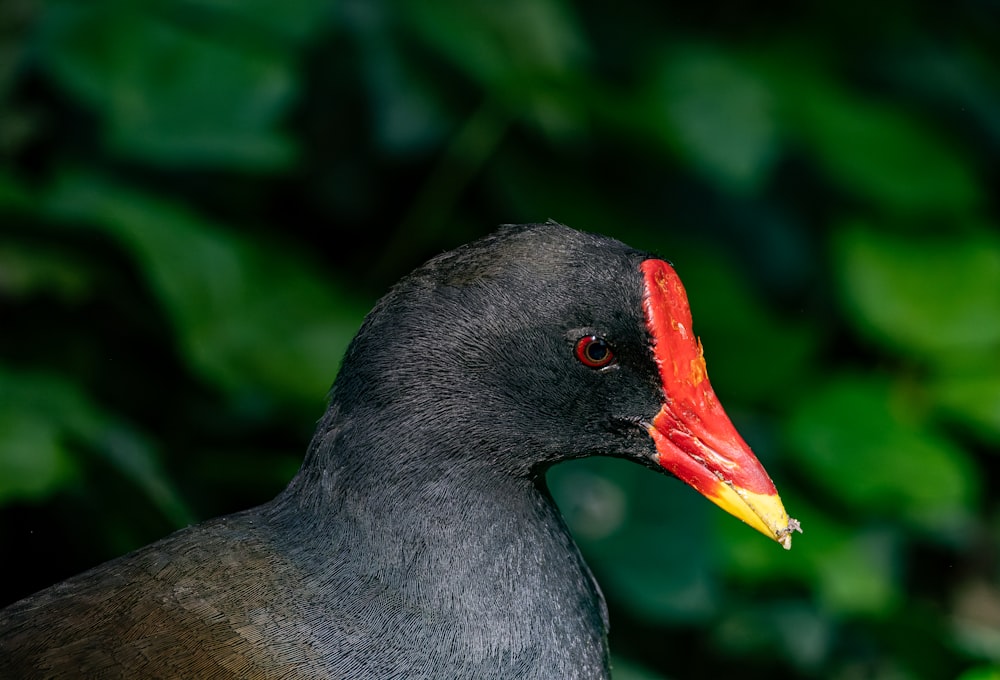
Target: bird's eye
x=594 y=352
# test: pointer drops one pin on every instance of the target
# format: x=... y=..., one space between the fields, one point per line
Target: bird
x=419 y=539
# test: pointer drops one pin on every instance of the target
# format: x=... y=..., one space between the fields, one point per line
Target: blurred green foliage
x=200 y=199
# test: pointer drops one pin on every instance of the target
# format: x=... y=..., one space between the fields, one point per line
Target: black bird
x=419 y=539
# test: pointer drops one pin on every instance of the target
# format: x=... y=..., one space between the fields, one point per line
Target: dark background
x=199 y=201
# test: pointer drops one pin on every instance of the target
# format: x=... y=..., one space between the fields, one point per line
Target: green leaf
x=851 y=569
x=864 y=444
x=14 y=195
x=33 y=461
x=171 y=94
x=406 y=116
x=526 y=53
x=292 y=21
x=875 y=150
x=982 y=673
x=27 y=269
x=861 y=574
x=718 y=114
x=495 y=43
x=930 y=296
x=44 y=421
x=627 y=521
x=249 y=317
x=973 y=400
x=785 y=630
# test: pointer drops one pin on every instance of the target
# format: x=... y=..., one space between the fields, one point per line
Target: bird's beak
x=695 y=440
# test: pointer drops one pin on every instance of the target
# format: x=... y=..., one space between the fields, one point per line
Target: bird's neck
x=454 y=528
x=471 y=547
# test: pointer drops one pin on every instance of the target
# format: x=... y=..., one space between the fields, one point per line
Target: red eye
x=594 y=352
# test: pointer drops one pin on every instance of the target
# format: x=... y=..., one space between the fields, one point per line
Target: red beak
x=695 y=440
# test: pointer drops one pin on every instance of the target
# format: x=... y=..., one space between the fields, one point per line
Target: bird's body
x=278 y=604
x=418 y=539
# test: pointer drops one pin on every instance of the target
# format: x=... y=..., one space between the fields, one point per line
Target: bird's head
x=540 y=344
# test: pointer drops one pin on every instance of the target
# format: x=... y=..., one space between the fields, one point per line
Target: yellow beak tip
x=764 y=512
